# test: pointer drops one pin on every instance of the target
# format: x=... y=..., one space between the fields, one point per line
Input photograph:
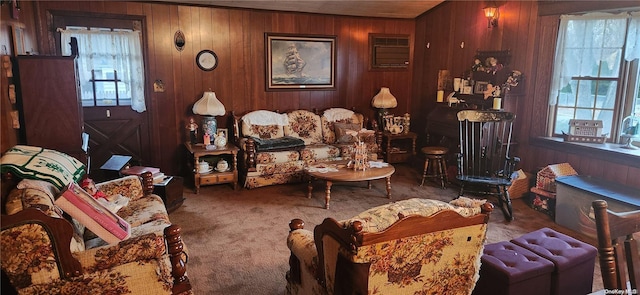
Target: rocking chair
x=484 y=163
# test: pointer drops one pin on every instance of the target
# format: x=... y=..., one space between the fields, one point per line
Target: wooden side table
x=398 y=148
x=214 y=177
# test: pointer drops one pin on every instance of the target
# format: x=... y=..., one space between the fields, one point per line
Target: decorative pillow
x=341 y=132
x=286 y=142
x=31 y=162
x=13 y=204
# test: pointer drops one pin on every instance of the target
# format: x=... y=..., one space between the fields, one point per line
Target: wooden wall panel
x=531 y=39
x=237 y=37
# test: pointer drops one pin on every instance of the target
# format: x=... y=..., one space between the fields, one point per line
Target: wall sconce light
x=492 y=13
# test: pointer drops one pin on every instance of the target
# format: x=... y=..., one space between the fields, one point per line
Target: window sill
x=611 y=152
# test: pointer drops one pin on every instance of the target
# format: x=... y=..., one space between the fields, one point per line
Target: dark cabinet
x=50 y=106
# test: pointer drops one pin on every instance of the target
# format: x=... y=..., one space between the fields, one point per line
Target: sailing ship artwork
x=300 y=62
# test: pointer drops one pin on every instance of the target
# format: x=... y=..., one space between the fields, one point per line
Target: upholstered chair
x=414 y=246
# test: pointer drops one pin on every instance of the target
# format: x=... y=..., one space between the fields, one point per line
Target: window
x=596 y=71
x=110 y=66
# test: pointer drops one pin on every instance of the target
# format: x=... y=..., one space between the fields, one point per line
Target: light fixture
x=492 y=13
x=209 y=106
x=383 y=100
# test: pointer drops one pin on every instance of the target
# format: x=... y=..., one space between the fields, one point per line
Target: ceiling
x=389 y=9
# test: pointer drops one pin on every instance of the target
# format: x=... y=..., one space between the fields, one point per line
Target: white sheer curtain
x=581 y=42
x=633 y=40
x=120 y=50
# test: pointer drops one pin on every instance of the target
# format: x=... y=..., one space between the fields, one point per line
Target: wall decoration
x=207 y=60
x=480 y=87
x=179 y=40
x=300 y=62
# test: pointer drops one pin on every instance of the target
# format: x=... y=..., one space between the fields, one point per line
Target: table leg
x=389 y=187
x=309 y=187
x=328 y=196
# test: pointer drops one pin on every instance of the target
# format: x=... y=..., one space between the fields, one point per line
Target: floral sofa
x=275 y=147
x=44 y=251
x=398 y=248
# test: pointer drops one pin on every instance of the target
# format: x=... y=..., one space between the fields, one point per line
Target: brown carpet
x=237 y=239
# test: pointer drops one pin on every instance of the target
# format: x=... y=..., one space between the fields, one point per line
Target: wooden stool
x=435 y=155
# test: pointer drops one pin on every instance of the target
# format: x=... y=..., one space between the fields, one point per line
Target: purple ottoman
x=510 y=269
x=574 y=260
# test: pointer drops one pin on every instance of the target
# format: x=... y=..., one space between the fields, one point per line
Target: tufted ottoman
x=574 y=260
x=510 y=269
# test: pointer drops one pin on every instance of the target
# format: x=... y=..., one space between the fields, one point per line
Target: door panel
x=116 y=131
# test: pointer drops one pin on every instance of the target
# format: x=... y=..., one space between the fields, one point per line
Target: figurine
x=193 y=131
x=90 y=186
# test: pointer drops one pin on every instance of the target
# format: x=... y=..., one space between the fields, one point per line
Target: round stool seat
x=434 y=150
x=435 y=155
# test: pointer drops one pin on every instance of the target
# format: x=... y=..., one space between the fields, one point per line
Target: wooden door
x=117 y=130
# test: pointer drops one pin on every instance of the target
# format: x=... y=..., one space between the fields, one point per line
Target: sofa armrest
x=132 y=186
x=46 y=258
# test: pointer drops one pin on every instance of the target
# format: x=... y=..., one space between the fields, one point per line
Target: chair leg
x=424 y=173
x=504 y=201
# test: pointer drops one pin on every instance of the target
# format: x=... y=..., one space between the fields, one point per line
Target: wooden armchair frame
x=61 y=232
x=351 y=278
x=617 y=248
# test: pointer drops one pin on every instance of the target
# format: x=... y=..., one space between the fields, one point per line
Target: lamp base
x=381 y=114
x=628 y=144
x=209 y=125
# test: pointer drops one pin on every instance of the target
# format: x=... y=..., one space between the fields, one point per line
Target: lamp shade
x=209 y=105
x=384 y=99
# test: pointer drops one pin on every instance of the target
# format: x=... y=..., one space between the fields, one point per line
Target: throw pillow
x=341 y=132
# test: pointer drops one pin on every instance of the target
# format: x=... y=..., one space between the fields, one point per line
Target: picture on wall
x=300 y=62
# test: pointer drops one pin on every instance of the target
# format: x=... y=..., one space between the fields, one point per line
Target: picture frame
x=17 y=33
x=480 y=87
x=300 y=62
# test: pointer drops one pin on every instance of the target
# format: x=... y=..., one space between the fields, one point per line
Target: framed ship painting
x=297 y=62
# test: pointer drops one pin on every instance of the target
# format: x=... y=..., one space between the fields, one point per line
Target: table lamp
x=209 y=106
x=383 y=100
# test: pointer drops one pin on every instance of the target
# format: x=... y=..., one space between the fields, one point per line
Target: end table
x=398 y=148
x=214 y=177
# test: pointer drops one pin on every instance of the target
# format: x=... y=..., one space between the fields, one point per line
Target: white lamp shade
x=209 y=105
x=384 y=99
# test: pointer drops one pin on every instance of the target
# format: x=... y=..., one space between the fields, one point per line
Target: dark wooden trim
x=60 y=232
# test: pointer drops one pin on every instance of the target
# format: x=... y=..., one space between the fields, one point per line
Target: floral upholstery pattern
x=319 y=152
x=137 y=265
x=279 y=167
x=128 y=186
x=440 y=262
x=328 y=129
x=304 y=125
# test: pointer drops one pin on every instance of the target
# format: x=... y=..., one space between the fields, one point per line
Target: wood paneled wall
x=531 y=39
x=237 y=37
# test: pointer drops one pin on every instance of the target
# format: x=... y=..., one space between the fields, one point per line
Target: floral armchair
x=415 y=246
x=45 y=252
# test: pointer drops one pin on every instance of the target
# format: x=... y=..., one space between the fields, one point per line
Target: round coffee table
x=348 y=175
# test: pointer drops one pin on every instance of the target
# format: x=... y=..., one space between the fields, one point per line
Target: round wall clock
x=207 y=60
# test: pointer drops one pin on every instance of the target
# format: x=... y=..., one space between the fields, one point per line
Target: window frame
x=625 y=95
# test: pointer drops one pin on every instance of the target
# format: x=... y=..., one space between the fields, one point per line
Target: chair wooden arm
x=179 y=259
x=60 y=233
x=611 y=228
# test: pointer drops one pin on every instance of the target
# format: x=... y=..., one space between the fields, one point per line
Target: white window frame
x=124 y=54
x=627 y=92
